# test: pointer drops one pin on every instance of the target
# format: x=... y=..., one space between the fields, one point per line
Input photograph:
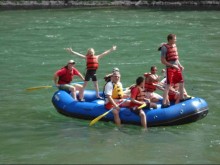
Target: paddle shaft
x=45 y=87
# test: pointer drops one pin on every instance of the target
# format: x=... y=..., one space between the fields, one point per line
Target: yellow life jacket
x=117 y=92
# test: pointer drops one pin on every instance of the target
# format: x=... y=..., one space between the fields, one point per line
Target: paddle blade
x=37 y=88
x=98 y=118
x=142 y=106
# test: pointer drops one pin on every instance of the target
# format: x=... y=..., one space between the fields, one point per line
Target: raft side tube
x=182 y=113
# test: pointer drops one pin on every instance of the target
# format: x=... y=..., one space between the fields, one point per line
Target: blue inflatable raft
x=182 y=113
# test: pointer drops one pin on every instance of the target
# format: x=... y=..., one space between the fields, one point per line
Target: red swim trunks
x=174 y=76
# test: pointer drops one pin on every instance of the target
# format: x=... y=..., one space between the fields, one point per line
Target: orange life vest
x=172 y=54
x=92 y=62
x=149 y=87
x=140 y=96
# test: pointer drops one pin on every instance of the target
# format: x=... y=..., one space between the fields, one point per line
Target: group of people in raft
x=141 y=93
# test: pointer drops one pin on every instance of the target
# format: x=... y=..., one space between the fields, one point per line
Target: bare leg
x=154 y=100
x=184 y=92
x=78 y=88
x=73 y=92
x=96 y=88
x=143 y=119
x=116 y=117
x=81 y=93
x=165 y=94
x=153 y=105
x=181 y=86
x=155 y=97
x=177 y=98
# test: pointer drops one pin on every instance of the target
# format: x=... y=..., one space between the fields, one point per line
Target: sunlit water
x=31 y=50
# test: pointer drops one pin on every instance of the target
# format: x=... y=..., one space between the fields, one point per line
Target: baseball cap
x=71 y=62
x=116 y=73
x=115 y=70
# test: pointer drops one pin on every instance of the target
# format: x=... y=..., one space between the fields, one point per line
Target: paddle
x=45 y=87
x=104 y=114
x=142 y=106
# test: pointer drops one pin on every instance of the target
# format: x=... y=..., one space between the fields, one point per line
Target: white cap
x=71 y=62
x=115 y=70
x=116 y=73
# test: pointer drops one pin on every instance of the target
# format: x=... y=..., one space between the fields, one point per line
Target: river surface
x=32 y=46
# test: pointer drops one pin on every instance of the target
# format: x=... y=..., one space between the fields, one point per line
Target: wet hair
x=139 y=80
x=170 y=37
x=107 y=77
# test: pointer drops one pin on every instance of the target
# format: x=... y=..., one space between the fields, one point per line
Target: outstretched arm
x=73 y=52
x=106 y=52
x=81 y=76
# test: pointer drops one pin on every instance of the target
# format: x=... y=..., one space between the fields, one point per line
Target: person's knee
x=153 y=105
x=142 y=114
x=72 y=89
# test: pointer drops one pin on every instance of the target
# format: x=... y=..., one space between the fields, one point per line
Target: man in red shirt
x=64 y=76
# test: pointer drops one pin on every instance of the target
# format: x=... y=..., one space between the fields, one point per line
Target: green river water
x=32 y=46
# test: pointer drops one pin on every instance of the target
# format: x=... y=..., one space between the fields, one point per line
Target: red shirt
x=66 y=75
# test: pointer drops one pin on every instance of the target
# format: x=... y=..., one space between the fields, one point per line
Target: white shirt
x=109 y=89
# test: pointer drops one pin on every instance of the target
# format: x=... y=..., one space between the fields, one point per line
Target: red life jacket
x=149 y=87
x=140 y=96
x=172 y=54
x=92 y=62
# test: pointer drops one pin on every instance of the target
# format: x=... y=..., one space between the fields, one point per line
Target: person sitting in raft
x=107 y=78
x=174 y=94
x=138 y=98
x=151 y=84
x=92 y=64
x=64 y=76
x=113 y=93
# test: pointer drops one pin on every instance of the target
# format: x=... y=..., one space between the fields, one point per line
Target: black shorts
x=91 y=74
